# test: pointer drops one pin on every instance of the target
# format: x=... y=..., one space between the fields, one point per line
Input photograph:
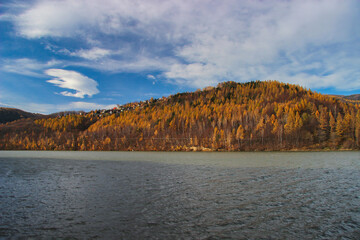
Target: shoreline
x=187 y=151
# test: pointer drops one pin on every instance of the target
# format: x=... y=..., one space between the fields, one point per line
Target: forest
x=253 y=116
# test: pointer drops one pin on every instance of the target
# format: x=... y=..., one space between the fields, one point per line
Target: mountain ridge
x=230 y=117
x=12 y=114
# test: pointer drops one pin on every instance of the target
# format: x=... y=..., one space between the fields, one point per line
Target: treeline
x=231 y=117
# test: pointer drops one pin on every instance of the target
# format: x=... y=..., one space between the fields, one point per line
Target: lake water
x=155 y=195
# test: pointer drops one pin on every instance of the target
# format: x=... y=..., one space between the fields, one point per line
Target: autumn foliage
x=231 y=117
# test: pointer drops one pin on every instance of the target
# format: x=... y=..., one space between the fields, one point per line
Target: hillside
x=12 y=114
x=354 y=98
x=231 y=117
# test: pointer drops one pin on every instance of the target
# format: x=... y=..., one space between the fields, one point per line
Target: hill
x=12 y=114
x=230 y=117
x=354 y=98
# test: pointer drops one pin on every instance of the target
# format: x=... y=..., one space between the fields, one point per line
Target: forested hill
x=12 y=114
x=231 y=117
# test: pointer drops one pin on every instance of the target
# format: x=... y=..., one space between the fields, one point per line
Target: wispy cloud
x=266 y=40
x=133 y=64
x=152 y=77
x=6 y=105
x=73 y=80
x=202 y=42
x=53 y=108
x=92 y=54
x=27 y=67
x=86 y=106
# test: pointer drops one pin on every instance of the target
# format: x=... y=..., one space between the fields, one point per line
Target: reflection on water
x=180 y=195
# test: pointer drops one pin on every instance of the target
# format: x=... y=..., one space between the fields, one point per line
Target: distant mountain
x=12 y=114
x=355 y=98
x=253 y=116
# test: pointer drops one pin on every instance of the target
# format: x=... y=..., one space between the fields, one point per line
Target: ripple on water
x=59 y=198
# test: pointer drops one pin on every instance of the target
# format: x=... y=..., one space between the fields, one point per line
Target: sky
x=94 y=54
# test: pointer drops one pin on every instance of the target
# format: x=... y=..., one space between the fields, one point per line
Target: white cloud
x=53 y=108
x=49 y=18
x=149 y=76
x=73 y=80
x=92 y=54
x=27 y=67
x=6 y=105
x=271 y=37
x=86 y=106
x=134 y=64
x=203 y=74
x=202 y=42
x=66 y=18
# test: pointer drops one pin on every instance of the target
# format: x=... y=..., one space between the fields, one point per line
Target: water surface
x=152 y=195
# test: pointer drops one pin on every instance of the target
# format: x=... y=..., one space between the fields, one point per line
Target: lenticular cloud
x=73 y=80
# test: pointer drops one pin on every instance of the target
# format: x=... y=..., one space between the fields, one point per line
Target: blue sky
x=94 y=54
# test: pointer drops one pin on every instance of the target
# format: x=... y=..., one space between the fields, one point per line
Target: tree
x=324 y=129
x=357 y=129
x=240 y=134
x=279 y=115
x=332 y=125
x=260 y=128
x=339 y=128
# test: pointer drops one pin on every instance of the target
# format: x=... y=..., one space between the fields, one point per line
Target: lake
x=161 y=195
